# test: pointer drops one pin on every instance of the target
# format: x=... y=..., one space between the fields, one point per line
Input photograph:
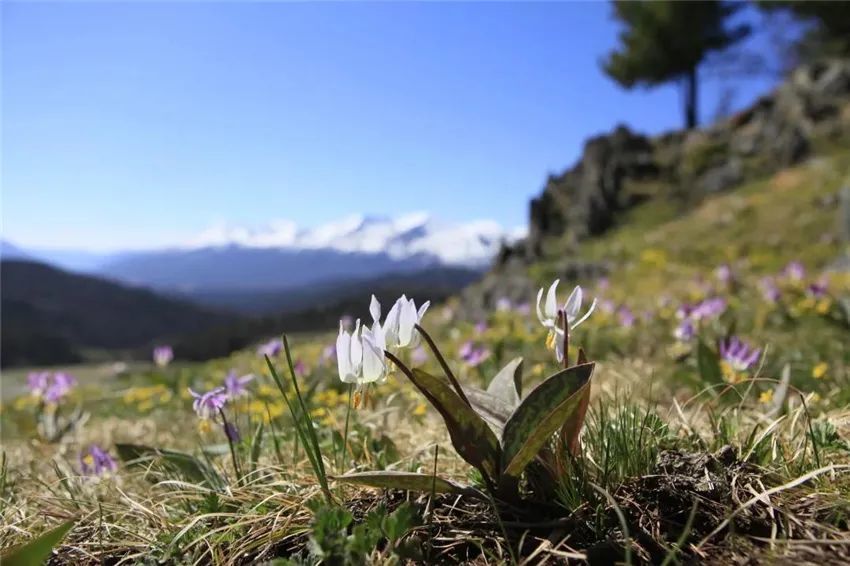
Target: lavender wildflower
x=737 y=357
x=162 y=355
x=271 y=348
x=208 y=405
x=769 y=290
x=685 y=331
x=235 y=386
x=96 y=462
x=794 y=271
x=627 y=318
x=471 y=355
x=37 y=383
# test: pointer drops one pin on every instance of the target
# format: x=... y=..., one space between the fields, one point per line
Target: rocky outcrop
x=620 y=169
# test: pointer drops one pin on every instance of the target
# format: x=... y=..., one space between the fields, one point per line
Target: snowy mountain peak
x=417 y=234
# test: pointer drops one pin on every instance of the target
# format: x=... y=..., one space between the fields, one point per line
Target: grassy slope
x=757 y=229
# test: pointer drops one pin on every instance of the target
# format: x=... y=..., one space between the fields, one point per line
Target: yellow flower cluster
x=146 y=398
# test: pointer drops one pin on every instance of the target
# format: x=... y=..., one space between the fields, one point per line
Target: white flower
x=399 y=327
x=349 y=353
x=360 y=355
x=550 y=315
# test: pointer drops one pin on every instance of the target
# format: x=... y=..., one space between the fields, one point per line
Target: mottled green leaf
x=36 y=551
x=170 y=461
x=471 y=436
x=507 y=384
x=390 y=479
x=491 y=408
x=541 y=413
x=708 y=364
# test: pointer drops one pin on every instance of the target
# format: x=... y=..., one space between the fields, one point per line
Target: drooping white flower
x=550 y=315
x=399 y=326
x=360 y=354
x=349 y=353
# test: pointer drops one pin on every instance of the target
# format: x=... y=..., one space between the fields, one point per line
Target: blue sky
x=141 y=124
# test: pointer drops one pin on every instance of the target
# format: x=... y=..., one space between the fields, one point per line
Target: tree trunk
x=691 y=99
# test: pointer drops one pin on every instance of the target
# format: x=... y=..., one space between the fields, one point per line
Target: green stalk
x=232 y=448
x=444 y=364
x=345 y=433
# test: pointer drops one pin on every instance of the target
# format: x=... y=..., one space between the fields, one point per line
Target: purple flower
x=329 y=353
x=480 y=327
x=96 y=462
x=709 y=308
x=818 y=289
x=37 y=382
x=59 y=387
x=208 y=405
x=471 y=355
x=232 y=432
x=794 y=271
x=162 y=355
x=523 y=308
x=271 y=348
x=627 y=318
x=724 y=274
x=607 y=306
x=300 y=367
x=602 y=284
x=234 y=386
x=738 y=354
x=769 y=290
x=504 y=304
x=418 y=355
x=685 y=331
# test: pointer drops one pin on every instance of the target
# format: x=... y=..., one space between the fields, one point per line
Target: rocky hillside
x=623 y=169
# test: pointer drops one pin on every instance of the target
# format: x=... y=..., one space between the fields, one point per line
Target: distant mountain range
x=281 y=256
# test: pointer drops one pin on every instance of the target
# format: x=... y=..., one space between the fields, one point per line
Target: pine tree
x=665 y=41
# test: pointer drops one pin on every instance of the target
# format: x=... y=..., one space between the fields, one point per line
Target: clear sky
x=140 y=124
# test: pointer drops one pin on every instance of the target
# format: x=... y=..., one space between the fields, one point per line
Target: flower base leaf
x=471 y=436
x=492 y=409
x=38 y=550
x=410 y=481
x=507 y=384
x=541 y=414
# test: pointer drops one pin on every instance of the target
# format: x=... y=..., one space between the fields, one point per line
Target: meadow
x=700 y=413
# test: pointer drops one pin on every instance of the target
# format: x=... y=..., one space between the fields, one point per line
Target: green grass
x=676 y=465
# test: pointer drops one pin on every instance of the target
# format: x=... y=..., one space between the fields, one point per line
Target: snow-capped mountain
x=471 y=244
x=281 y=256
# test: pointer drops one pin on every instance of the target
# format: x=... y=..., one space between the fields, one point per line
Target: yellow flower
x=729 y=373
x=766 y=396
x=823 y=306
x=820 y=370
x=420 y=410
x=537 y=370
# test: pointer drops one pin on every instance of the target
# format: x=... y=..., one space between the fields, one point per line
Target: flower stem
x=444 y=365
x=345 y=433
x=232 y=447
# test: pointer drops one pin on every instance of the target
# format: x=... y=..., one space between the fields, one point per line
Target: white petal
x=390 y=325
x=540 y=316
x=374 y=366
x=375 y=309
x=422 y=310
x=586 y=315
x=356 y=349
x=552 y=300
x=573 y=304
x=407 y=318
x=559 y=348
x=343 y=353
